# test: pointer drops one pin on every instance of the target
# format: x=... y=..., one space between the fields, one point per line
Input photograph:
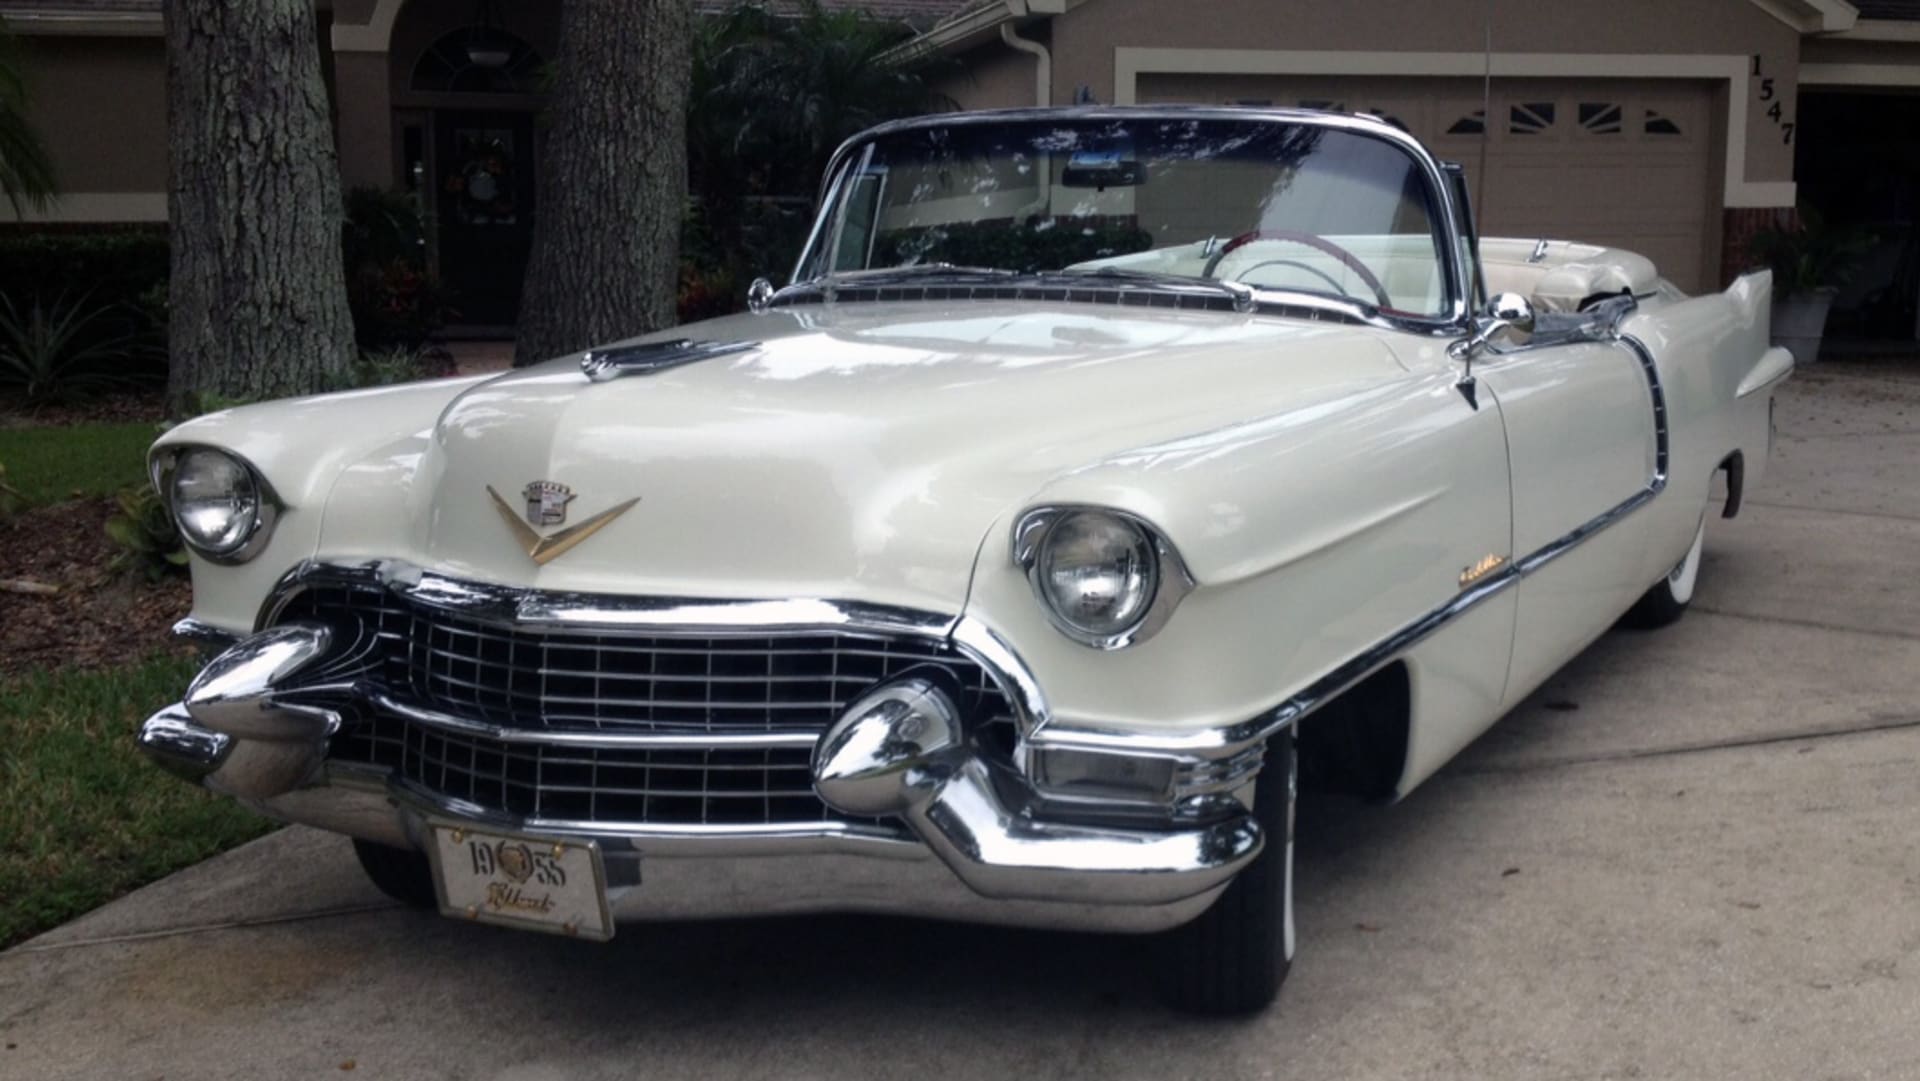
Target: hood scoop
x=601 y=365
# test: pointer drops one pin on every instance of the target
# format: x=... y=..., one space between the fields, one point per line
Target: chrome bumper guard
x=977 y=845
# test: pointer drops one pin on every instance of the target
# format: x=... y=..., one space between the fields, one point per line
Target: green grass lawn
x=49 y=464
x=84 y=817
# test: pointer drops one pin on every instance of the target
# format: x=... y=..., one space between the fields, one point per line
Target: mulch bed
x=113 y=409
x=98 y=618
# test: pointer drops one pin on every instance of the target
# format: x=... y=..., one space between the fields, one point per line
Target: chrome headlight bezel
x=261 y=516
x=1172 y=581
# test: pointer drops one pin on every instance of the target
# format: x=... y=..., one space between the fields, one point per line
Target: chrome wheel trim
x=1293 y=791
x=1682 y=579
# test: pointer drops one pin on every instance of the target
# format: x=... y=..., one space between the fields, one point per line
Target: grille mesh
x=586 y=681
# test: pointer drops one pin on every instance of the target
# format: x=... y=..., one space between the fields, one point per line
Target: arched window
x=478 y=60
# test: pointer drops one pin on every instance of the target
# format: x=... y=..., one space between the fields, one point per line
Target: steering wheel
x=1318 y=243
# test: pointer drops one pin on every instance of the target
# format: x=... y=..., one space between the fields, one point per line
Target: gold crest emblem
x=516 y=860
x=547 y=502
x=550 y=508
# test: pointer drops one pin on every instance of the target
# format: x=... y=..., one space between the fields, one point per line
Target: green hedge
x=110 y=267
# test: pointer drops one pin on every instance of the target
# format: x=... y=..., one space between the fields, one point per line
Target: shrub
x=1811 y=255
x=67 y=349
x=385 y=367
x=115 y=268
x=149 y=542
x=396 y=301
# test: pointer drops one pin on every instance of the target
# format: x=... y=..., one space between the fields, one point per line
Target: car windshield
x=1296 y=206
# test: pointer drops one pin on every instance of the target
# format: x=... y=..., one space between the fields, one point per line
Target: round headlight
x=1098 y=573
x=215 y=500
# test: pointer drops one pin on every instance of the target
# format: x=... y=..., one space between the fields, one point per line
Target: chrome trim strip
x=181 y=746
x=1452 y=256
x=525 y=608
x=877 y=839
x=204 y=634
x=694 y=741
x=1215 y=742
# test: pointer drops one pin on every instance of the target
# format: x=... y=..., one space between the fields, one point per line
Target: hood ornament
x=546 y=504
x=601 y=365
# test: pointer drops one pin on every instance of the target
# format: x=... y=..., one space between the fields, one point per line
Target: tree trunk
x=258 y=302
x=606 y=245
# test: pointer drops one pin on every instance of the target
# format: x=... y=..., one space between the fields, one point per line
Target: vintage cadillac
x=1099 y=472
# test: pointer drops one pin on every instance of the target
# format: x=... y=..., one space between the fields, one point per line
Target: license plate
x=536 y=883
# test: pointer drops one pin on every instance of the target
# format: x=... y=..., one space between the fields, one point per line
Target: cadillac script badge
x=547 y=502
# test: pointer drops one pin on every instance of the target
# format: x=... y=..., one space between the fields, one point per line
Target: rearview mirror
x=1116 y=168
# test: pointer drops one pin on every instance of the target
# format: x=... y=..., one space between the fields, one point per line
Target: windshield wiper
x=1240 y=293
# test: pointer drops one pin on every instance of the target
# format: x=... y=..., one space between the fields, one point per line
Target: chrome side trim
x=1215 y=742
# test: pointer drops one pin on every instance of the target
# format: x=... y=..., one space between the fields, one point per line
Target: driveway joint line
x=1888 y=515
x=1811 y=624
x=1880 y=725
x=203 y=928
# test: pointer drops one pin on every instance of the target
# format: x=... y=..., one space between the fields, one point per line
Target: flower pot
x=1799 y=322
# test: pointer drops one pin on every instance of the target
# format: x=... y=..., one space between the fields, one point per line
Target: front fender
x=300 y=446
x=1312 y=535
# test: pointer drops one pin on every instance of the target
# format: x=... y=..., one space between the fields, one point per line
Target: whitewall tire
x=1667 y=601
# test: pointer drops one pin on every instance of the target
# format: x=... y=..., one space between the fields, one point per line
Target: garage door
x=1621 y=162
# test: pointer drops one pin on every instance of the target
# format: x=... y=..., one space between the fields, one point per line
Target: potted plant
x=1810 y=261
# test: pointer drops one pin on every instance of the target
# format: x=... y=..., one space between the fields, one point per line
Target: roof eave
x=1812 y=16
x=54 y=22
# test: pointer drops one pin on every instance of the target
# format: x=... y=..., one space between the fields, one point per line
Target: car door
x=1580 y=443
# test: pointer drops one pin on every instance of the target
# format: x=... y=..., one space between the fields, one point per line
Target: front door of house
x=485 y=196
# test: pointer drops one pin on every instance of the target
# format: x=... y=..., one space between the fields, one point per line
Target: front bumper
x=960 y=835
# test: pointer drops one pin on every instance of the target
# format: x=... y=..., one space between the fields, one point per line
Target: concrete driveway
x=1695 y=854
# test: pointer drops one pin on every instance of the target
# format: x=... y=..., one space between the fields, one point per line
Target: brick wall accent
x=1737 y=231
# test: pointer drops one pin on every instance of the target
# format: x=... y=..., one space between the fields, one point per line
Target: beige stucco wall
x=100 y=104
x=1085 y=39
x=993 y=76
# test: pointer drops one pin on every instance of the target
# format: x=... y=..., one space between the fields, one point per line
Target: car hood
x=856 y=451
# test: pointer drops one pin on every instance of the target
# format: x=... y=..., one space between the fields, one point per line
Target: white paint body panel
x=1326 y=484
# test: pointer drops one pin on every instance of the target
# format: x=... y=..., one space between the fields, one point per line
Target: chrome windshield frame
x=1450 y=322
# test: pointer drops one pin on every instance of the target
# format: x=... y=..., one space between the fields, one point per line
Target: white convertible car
x=1098 y=471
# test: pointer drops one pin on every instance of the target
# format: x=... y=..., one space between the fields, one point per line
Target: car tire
x=401 y=873
x=1232 y=960
x=1667 y=601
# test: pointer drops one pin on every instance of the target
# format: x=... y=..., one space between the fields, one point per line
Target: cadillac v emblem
x=546 y=506
x=547 y=502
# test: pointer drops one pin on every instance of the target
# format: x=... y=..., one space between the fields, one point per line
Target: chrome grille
x=734 y=786
x=587 y=680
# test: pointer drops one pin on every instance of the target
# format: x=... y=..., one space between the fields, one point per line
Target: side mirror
x=1508 y=321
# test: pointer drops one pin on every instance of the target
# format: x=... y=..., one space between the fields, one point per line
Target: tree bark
x=257 y=302
x=606 y=244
